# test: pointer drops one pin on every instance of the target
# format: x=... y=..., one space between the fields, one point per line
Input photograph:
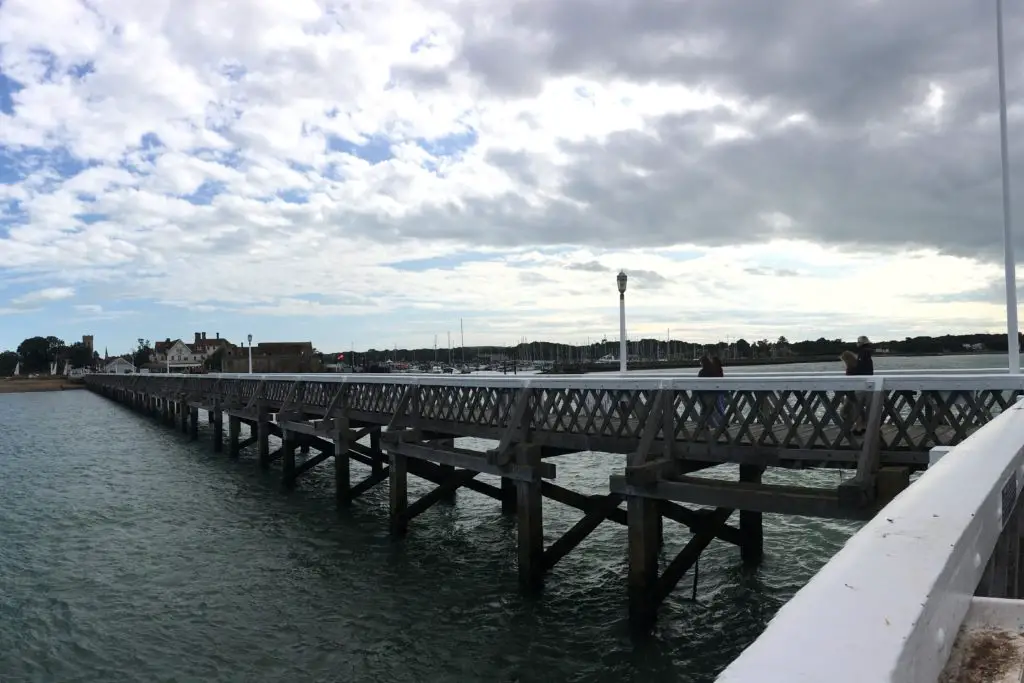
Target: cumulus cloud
x=751 y=167
x=44 y=295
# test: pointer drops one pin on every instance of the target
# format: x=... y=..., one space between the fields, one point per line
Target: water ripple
x=129 y=553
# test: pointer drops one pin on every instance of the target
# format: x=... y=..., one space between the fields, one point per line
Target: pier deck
x=668 y=428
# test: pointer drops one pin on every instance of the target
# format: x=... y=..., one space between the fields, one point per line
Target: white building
x=177 y=356
x=119 y=366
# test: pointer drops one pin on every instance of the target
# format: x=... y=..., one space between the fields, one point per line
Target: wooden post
x=287 y=458
x=378 y=456
x=342 y=462
x=643 y=518
x=193 y=427
x=530 y=520
x=183 y=416
x=642 y=532
x=508 y=496
x=234 y=430
x=217 y=422
x=751 y=523
x=447 y=470
x=263 y=435
x=398 y=482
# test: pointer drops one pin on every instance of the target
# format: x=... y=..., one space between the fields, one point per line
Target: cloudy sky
x=368 y=172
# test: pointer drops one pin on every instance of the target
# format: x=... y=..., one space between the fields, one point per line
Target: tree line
x=38 y=354
x=654 y=349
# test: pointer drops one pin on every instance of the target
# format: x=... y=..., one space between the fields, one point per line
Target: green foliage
x=8 y=361
x=142 y=354
x=215 y=361
x=79 y=356
x=37 y=353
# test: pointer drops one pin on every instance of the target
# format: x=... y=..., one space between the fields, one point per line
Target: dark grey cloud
x=863 y=172
x=646 y=279
x=589 y=267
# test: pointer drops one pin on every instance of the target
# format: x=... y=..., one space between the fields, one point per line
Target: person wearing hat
x=864 y=366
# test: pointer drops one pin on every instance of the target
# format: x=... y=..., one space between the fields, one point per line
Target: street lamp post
x=621 y=279
x=1013 y=345
x=250 y=354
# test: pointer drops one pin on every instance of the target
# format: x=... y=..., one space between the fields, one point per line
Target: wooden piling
x=751 y=523
x=508 y=496
x=377 y=467
x=288 y=458
x=342 y=463
x=398 y=482
x=217 y=422
x=448 y=471
x=642 y=535
x=193 y=426
x=263 y=435
x=530 y=520
x=234 y=432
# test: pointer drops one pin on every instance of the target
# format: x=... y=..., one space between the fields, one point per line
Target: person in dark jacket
x=865 y=349
x=865 y=366
x=708 y=369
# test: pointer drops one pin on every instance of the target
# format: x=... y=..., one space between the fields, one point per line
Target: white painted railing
x=889 y=605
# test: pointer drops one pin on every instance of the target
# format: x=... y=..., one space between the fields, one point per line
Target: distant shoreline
x=28 y=386
x=640 y=366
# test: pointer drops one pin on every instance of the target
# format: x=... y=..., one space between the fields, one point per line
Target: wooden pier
x=668 y=428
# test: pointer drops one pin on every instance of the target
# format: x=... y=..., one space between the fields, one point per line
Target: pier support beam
x=342 y=463
x=398 y=482
x=447 y=470
x=530 y=519
x=508 y=496
x=234 y=431
x=643 y=543
x=217 y=423
x=288 y=458
x=193 y=426
x=378 y=461
x=751 y=523
x=263 y=435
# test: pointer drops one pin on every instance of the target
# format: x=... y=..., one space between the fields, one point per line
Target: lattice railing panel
x=810 y=418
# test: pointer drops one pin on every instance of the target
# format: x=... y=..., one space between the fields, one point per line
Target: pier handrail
x=909 y=382
x=889 y=605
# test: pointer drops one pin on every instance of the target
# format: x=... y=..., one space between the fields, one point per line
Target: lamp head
x=250 y=339
x=621 y=279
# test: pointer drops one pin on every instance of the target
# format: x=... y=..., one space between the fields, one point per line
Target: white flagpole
x=1013 y=348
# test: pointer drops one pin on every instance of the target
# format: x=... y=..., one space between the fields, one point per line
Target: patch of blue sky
x=446 y=262
x=58 y=163
x=421 y=43
x=80 y=71
x=234 y=71
x=293 y=196
x=90 y=217
x=205 y=193
x=375 y=150
x=682 y=255
x=791 y=263
x=12 y=214
x=8 y=89
x=452 y=144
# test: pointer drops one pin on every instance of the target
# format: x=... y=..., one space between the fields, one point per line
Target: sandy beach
x=11 y=385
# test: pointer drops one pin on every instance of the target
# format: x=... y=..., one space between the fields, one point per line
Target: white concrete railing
x=889 y=605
